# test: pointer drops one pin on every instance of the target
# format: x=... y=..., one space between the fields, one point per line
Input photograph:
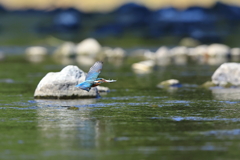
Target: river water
x=135 y=120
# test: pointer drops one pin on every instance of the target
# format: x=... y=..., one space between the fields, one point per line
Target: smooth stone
x=62 y=85
x=227 y=73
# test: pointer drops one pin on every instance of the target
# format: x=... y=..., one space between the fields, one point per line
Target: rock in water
x=62 y=85
x=169 y=83
x=227 y=73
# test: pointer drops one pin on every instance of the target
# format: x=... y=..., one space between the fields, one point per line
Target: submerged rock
x=62 y=85
x=227 y=73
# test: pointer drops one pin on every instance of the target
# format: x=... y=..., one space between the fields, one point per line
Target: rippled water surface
x=136 y=120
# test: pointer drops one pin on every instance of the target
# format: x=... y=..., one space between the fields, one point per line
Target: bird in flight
x=92 y=79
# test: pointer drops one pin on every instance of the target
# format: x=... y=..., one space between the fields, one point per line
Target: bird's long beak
x=110 y=81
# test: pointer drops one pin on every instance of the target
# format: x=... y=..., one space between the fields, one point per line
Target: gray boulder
x=62 y=85
x=227 y=73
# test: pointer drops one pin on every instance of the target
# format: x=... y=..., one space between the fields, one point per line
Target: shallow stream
x=135 y=120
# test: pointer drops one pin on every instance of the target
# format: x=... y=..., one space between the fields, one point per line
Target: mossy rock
x=208 y=84
x=169 y=83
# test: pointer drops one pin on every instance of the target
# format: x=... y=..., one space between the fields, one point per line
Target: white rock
x=85 y=60
x=88 y=46
x=199 y=54
x=216 y=60
x=36 y=53
x=179 y=55
x=201 y=50
x=168 y=83
x=115 y=55
x=67 y=49
x=163 y=56
x=143 y=67
x=235 y=54
x=138 y=53
x=217 y=54
x=143 y=54
x=218 y=50
x=62 y=85
x=227 y=73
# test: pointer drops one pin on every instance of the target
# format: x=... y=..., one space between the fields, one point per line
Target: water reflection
x=70 y=127
x=226 y=93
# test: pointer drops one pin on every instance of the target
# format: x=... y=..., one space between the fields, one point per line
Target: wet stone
x=62 y=85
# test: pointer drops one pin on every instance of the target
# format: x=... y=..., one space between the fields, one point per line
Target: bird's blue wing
x=94 y=71
x=85 y=85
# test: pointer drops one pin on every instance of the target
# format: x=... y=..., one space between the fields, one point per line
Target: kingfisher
x=92 y=79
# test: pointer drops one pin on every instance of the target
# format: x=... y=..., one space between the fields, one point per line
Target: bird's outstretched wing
x=94 y=71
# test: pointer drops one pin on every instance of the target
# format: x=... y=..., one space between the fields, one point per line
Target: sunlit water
x=135 y=120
